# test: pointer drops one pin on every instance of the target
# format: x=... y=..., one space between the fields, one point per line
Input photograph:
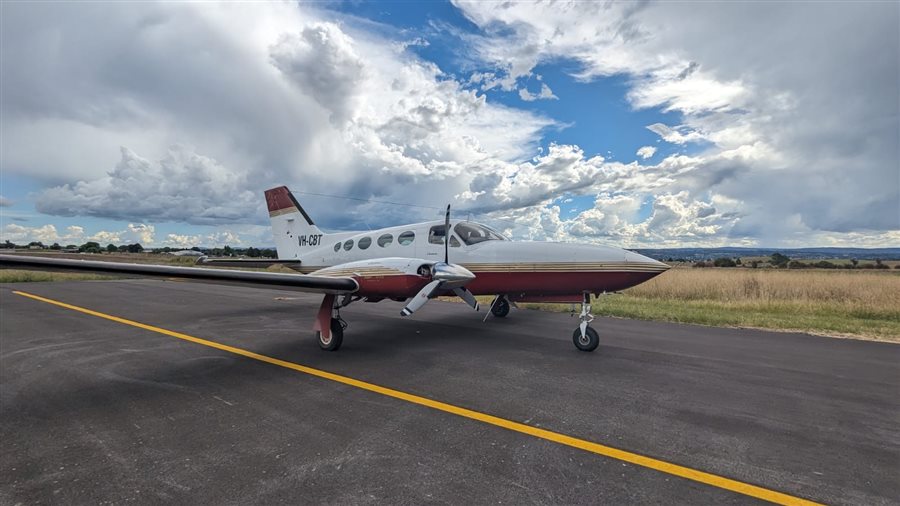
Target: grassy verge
x=20 y=276
x=852 y=304
x=785 y=316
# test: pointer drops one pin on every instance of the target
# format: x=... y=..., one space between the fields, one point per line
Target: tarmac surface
x=96 y=411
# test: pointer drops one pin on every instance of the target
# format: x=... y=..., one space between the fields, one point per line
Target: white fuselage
x=540 y=269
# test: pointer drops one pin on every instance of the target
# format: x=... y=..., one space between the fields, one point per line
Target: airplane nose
x=636 y=258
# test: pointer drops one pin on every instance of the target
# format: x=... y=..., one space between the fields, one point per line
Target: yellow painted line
x=606 y=451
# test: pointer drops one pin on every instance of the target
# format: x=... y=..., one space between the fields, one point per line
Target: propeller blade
x=447 y=236
x=421 y=298
x=467 y=296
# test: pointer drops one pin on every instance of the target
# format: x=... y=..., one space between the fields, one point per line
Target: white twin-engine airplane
x=411 y=262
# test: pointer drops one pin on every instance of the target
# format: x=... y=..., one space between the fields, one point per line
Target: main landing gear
x=585 y=337
x=500 y=307
x=330 y=339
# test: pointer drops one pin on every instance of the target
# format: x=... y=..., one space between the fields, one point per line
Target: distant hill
x=694 y=254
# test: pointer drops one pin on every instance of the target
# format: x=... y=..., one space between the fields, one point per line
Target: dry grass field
x=834 y=302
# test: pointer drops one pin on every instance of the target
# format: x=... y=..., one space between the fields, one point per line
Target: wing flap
x=298 y=282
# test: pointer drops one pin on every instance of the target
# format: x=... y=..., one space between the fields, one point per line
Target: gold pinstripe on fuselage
x=337 y=271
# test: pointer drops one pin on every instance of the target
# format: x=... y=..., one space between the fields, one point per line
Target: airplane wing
x=260 y=263
x=298 y=282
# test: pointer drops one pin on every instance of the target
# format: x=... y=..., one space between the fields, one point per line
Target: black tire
x=501 y=308
x=335 y=339
x=589 y=342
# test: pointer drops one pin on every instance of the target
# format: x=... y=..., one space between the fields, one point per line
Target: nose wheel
x=585 y=337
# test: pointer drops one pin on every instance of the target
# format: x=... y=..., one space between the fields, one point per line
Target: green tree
x=724 y=262
x=779 y=260
x=89 y=247
x=55 y=246
x=111 y=248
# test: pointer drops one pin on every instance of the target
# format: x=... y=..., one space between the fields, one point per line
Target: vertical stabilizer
x=292 y=228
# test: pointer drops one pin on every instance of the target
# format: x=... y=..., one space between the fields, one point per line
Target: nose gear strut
x=585 y=337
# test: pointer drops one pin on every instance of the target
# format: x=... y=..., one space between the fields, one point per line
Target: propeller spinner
x=445 y=276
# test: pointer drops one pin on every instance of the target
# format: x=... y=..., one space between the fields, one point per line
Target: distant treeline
x=703 y=254
x=94 y=247
x=782 y=261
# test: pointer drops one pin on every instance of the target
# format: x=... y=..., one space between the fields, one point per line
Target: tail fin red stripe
x=280 y=201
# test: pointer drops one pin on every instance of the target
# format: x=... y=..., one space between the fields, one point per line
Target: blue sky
x=176 y=117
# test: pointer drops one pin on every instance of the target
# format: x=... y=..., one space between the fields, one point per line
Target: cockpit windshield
x=473 y=233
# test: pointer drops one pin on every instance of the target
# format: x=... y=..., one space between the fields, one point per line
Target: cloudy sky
x=638 y=124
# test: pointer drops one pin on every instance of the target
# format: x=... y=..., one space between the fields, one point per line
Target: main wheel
x=335 y=339
x=501 y=308
x=588 y=342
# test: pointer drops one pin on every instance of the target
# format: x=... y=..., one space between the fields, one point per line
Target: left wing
x=260 y=263
x=298 y=282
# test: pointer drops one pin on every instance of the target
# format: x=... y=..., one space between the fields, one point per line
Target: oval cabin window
x=406 y=238
x=385 y=240
x=365 y=242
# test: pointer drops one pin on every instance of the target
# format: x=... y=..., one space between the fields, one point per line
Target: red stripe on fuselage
x=516 y=284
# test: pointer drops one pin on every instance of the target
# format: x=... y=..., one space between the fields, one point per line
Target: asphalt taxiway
x=95 y=408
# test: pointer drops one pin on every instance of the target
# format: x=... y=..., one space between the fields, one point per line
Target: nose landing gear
x=585 y=337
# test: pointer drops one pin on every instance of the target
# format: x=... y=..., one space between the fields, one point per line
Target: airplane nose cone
x=636 y=258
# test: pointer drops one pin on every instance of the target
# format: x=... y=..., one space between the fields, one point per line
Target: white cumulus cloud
x=646 y=152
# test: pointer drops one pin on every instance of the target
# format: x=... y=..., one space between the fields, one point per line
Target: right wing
x=298 y=282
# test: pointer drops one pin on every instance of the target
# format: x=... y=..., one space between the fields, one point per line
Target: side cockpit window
x=474 y=233
x=436 y=234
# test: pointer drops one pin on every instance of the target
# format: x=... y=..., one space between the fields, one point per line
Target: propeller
x=445 y=276
x=421 y=298
x=447 y=236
